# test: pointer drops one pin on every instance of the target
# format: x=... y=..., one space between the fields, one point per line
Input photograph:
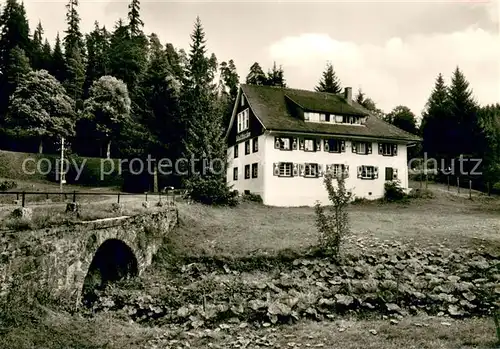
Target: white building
x=281 y=141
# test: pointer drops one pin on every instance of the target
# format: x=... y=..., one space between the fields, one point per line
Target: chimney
x=348 y=95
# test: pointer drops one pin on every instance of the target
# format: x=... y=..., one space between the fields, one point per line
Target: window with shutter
x=388 y=149
x=236 y=151
x=247 y=171
x=389 y=173
x=235 y=173
x=309 y=145
x=247 y=147
x=395 y=174
x=284 y=143
x=255 y=170
x=311 y=170
x=334 y=146
x=255 y=145
x=285 y=169
x=367 y=172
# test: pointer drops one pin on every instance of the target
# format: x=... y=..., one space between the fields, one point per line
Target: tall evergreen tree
x=160 y=90
x=46 y=56
x=38 y=42
x=14 y=32
x=74 y=37
x=174 y=61
x=489 y=144
x=329 y=81
x=204 y=141
x=464 y=109
x=97 y=55
x=134 y=20
x=276 y=77
x=58 y=63
x=74 y=76
x=437 y=128
x=127 y=56
x=256 y=76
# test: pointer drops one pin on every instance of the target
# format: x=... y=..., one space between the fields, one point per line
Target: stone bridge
x=64 y=259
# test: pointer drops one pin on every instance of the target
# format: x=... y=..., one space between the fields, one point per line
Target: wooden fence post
x=470 y=189
x=23 y=199
x=74 y=195
x=146 y=193
x=458 y=185
x=118 y=197
x=448 y=182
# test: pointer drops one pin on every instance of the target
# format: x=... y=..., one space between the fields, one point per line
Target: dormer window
x=242 y=100
x=243 y=120
x=306 y=116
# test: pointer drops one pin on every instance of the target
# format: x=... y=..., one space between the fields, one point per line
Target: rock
x=72 y=207
x=22 y=213
x=374 y=332
x=394 y=322
x=146 y=204
x=116 y=207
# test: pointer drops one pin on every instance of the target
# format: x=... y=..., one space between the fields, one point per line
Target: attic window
x=306 y=116
x=243 y=120
x=242 y=100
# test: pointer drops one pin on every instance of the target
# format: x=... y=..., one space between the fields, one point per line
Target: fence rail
x=22 y=195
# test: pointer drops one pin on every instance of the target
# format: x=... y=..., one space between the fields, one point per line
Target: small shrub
x=333 y=226
x=252 y=197
x=211 y=190
x=8 y=185
x=393 y=191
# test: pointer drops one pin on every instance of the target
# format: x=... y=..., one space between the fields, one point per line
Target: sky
x=392 y=50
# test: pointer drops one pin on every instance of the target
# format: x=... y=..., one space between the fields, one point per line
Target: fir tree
x=74 y=37
x=58 y=64
x=256 y=76
x=329 y=81
x=134 y=20
x=15 y=33
x=438 y=130
x=464 y=110
x=46 y=56
x=38 y=42
x=203 y=123
x=276 y=77
x=97 y=55
x=74 y=74
x=160 y=90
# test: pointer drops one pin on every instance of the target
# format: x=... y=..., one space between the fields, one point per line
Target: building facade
x=281 y=142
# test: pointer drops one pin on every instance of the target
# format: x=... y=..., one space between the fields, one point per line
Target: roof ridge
x=293 y=89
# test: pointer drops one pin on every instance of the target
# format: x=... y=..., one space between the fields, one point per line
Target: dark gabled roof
x=269 y=104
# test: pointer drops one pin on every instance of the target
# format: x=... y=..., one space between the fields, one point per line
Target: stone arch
x=114 y=260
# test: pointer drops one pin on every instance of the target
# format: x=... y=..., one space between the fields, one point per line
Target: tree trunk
x=40 y=147
x=489 y=188
x=108 y=150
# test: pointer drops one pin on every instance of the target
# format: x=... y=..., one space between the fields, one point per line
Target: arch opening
x=113 y=261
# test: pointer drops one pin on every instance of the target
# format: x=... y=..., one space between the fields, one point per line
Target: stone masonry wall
x=59 y=258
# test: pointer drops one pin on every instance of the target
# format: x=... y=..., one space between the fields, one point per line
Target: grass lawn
x=64 y=331
x=252 y=228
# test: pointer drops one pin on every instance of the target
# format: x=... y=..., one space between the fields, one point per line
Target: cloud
x=399 y=70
